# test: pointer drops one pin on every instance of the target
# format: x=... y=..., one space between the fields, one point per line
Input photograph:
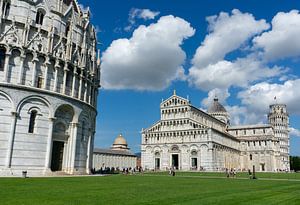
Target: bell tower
x=279 y=119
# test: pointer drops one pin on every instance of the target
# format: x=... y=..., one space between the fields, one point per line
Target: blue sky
x=245 y=52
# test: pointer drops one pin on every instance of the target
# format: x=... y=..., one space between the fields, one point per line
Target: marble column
x=21 y=68
x=49 y=144
x=6 y=66
x=66 y=70
x=11 y=139
x=74 y=80
x=33 y=81
x=74 y=143
x=90 y=152
x=47 y=66
x=69 y=149
x=80 y=84
x=85 y=90
x=1 y=10
x=88 y=158
x=56 y=67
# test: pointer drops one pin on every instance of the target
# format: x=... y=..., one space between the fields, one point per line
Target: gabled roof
x=242 y=127
x=174 y=100
x=74 y=5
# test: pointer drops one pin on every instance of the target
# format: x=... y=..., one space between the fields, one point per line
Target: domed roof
x=120 y=140
x=216 y=107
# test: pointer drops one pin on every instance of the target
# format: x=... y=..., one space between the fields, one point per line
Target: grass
x=260 y=175
x=152 y=188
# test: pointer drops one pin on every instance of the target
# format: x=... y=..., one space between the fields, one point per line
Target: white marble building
x=49 y=79
x=118 y=156
x=190 y=139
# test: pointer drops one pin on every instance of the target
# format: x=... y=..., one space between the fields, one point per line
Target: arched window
x=33 y=115
x=39 y=17
x=5 y=8
x=250 y=156
x=2 y=58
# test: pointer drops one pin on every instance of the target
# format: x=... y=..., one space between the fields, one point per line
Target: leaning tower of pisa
x=279 y=119
x=49 y=80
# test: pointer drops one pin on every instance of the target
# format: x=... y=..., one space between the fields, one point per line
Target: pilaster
x=35 y=60
x=49 y=144
x=6 y=65
x=11 y=139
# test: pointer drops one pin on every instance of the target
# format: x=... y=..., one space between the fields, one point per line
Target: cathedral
x=188 y=138
x=49 y=80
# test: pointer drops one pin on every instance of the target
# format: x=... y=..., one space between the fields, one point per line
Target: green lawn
x=260 y=175
x=152 y=188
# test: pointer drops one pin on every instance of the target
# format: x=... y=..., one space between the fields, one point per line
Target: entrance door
x=194 y=163
x=262 y=167
x=175 y=161
x=157 y=163
x=57 y=156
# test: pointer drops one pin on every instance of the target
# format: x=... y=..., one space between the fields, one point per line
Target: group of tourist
x=172 y=171
x=231 y=172
x=113 y=170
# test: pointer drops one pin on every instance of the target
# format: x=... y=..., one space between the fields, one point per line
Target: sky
x=243 y=52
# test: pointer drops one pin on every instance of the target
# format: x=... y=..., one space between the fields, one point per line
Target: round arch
x=35 y=97
x=13 y=107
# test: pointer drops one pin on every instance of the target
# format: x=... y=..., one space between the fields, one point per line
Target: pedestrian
x=250 y=174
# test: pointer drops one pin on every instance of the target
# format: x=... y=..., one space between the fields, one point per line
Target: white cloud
x=224 y=74
x=294 y=132
x=222 y=95
x=259 y=96
x=227 y=33
x=150 y=60
x=243 y=115
x=145 y=14
x=238 y=114
x=283 y=40
x=84 y=8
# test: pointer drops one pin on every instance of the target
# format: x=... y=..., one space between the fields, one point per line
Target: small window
x=67 y=29
x=40 y=81
x=82 y=130
x=250 y=156
x=67 y=2
x=5 y=8
x=69 y=78
x=39 y=17
x=2 y=58
x=33 y=115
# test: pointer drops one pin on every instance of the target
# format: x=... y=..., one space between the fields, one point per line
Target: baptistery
x=49 y=80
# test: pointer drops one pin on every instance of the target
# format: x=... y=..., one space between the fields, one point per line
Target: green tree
x=295 y=163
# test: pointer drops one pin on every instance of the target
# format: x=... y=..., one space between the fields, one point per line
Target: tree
x=295 y=163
